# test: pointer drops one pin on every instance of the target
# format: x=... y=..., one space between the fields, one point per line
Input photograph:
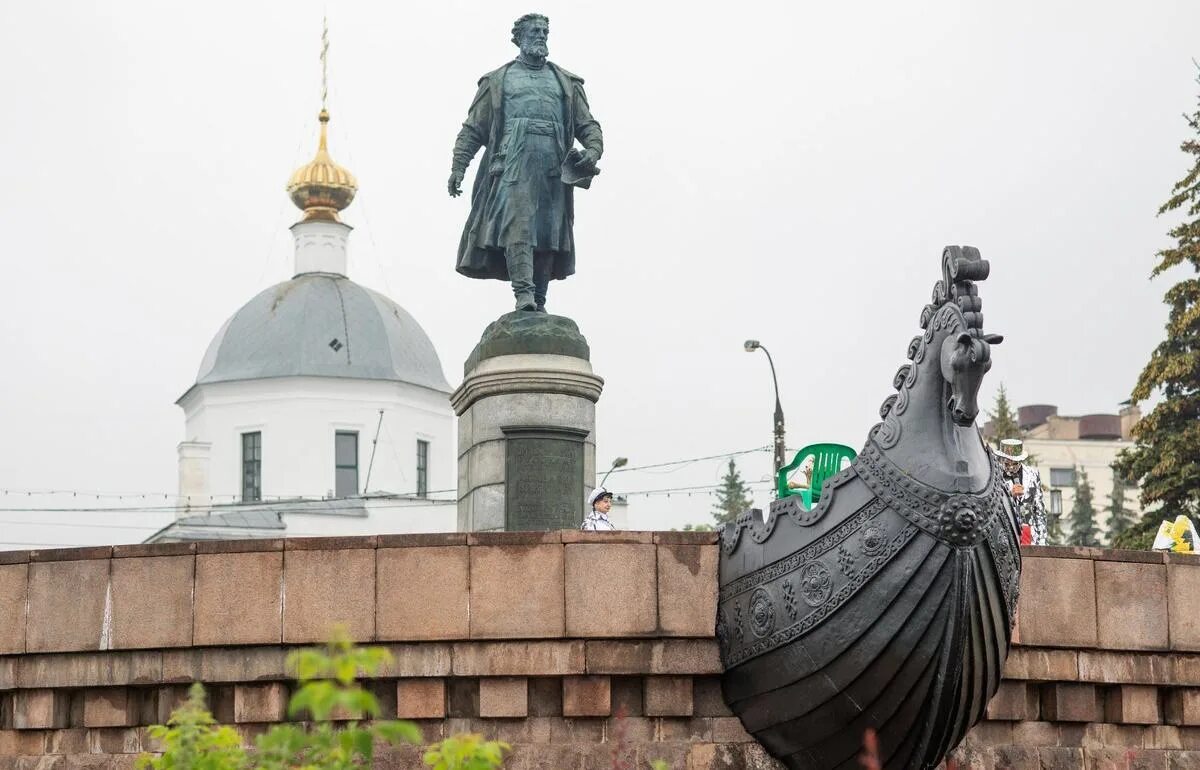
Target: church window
x=422 y=468
x=1062 y=477
x=251 y=467
x=345 y=450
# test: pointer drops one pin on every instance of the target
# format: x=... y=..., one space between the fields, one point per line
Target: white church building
x=320 y=407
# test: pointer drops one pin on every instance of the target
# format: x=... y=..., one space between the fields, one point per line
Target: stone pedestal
x=526 y=426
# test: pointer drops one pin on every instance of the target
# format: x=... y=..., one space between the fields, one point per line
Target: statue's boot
x=519 y=258
x=543 y=262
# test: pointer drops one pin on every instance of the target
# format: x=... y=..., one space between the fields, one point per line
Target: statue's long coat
x=484 y=126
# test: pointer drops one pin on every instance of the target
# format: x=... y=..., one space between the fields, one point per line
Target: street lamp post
x=780 y=443
x=620 y=462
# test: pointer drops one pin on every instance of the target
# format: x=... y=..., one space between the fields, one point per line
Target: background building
x=320 y=406
x=1061 y=445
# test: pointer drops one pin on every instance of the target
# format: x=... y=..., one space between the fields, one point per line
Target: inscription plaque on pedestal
x=543 y=477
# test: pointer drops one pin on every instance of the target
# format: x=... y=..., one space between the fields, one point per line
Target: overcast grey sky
x=778 y=170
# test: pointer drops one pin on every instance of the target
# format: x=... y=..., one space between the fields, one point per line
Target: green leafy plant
x=466 y=752
x=328 y=695
x=192 y=740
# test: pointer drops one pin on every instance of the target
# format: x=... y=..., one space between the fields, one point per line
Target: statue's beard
x=535 y=50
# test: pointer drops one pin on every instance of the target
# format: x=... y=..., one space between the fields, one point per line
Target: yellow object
x=1178 y=536
x=322 y=188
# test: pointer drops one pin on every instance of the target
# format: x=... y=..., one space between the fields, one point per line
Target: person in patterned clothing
x=1025 y=484
x=600 y=502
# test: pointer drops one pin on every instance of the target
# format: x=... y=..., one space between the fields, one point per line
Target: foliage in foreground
x=329 y=696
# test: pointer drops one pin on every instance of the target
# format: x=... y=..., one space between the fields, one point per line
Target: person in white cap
x=600 y=502
x=1025 y=484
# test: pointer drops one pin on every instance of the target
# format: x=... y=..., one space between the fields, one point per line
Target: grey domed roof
x=322 y=325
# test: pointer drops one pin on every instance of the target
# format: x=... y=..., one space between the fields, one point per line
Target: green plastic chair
x=827 y=460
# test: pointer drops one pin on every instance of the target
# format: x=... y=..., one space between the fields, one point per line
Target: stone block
x=1014 y=701
x=89 y=669
x=61 y=587
x=230 y=664
x=485 y=506
x=114 y=741
x=84 y=553
x=316 y=598
x=545 y=696
x=1044 y=665
x=109 y=707
x=462 y=701
x=504 y=696
x=661 y=656
x=1107 y=758
x=331 y=543
x=239 y=546
x=239 y=598
x=1183 y=586
x=1058 y=603
x=485 y=463
x=1131 y=613
x=417 y=660
x=422 y=593
x=73 y=740
x=1060 y=758
x=1182 y=706
x=1133 y=704
x=707 y=698
x=422 y=539
x=610 y=589
x=543 y=658
x=18 y=743
x=166 y=700
x=1104 y=734
x=40 y=709
x=14 y=586
x=1183 y=760
x=668 y=696
x=586 y=696
x=138 y=550
x=152 y=602
x=1126 y=668
x=421 y=698
x=517 y=591
x=687 y=589
x=1070 y=703
x=729 y=730
x=1162 y=737
x=260 y=702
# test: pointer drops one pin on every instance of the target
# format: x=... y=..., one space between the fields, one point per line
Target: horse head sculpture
x=965 y=359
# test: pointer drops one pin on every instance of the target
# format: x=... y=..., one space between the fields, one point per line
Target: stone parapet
x=1107 y=659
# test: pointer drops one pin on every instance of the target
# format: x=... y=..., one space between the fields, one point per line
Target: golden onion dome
x=322 y=188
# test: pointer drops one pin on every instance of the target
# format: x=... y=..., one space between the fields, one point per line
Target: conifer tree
x=1165 y=460
x=733 y=496
x=1002 y=419
x=1120 y=518
x=1083 y=514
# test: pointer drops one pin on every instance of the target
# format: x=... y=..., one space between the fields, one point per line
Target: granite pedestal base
x=526 y=426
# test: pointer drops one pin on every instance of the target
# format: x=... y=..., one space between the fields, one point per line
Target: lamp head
x=751 y=346
x=620 y=462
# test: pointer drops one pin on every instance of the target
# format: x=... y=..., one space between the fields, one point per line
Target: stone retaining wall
x=543 y=639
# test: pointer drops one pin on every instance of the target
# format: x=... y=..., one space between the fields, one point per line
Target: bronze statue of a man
x=528 y=115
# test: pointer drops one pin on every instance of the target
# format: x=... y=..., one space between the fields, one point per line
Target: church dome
x=322 y=188
x=322 y=325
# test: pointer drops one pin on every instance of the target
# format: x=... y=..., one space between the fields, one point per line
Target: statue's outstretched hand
x=454 y=186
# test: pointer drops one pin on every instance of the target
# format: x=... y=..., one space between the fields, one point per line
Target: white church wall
x=298 y=418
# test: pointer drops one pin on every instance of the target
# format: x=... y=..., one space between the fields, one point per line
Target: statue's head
x=529 y=33
x=965 y=358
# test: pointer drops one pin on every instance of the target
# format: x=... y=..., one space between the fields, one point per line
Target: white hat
x=1012 y=449
x=596 y=494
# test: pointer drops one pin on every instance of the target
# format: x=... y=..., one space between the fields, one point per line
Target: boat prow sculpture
x=889 y=605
